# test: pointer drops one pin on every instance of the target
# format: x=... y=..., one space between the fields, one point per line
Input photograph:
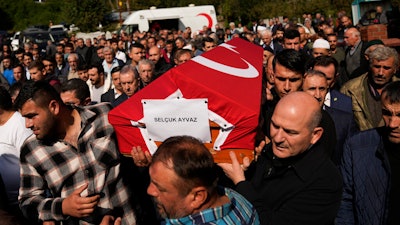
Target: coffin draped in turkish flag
x=229 y=76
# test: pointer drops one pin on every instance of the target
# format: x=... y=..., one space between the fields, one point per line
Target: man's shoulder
x=341 y=101
x=236 y=197
x=340 y=50
x=336 y=113
x=110 y=92
x=118 y=62
x=35 y=147
x=120 y=100
x=241 y=206
x=338 y=94
x=365 y=139
x=354 y=84
x=99 y=108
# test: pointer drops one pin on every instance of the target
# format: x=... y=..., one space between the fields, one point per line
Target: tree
x=86 y=14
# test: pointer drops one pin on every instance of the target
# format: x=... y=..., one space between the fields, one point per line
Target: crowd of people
x=325 y=150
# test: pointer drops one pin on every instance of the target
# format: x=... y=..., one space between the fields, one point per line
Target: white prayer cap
x=261 y=28
x=321 y=43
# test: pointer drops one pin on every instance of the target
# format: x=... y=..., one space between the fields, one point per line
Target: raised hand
x=140 y=158
x=235 y=171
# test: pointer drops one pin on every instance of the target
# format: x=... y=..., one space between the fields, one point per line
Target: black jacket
x=305 y=189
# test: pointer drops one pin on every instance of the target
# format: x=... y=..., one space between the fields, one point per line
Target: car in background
x=35 y=35
x=15 y=41
x=58 y=32
x=73 y=28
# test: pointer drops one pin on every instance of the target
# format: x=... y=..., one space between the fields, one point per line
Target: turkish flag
x=229 y=76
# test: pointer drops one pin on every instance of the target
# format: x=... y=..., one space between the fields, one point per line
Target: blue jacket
x=345 y=126
x=341 y=101
x=366 y=180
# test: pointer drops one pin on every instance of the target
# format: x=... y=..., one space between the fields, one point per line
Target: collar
x=355 y=47
x=87 y=114
x=327 y=101
x=304 y=165
x=207 y=216
x=374 y=93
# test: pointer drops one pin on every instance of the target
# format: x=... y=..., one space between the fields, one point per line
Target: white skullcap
x=321 y=43
x=261 y=28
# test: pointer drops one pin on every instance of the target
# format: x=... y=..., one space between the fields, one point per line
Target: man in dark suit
x=130 y=80
x=112 y=94
x=333 y=99
x=267 y=40
x=316 y=84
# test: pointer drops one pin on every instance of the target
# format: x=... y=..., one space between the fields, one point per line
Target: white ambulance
x=177 y=18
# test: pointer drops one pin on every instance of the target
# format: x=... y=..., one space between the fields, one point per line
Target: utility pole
x=120 y=11
x=128 y=6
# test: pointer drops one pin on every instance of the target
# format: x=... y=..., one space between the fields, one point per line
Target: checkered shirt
x=238 y=211
x=52 y=171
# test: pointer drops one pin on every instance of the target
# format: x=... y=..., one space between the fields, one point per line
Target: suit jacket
x=277 y=47
x=345 y=126
x=109 y=96
x=119 y=100
x=340 y=101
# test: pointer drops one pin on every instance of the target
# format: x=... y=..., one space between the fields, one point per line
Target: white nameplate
x=171 y=117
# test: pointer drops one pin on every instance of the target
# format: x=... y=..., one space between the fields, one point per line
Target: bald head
x=294 y=124
x=154 y=54
x=302 y=105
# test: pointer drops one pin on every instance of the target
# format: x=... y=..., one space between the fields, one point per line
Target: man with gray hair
x=130 y=80
x=73 y=61
x=354 y=50
x=267 y=40
x=109 y=63
x=365 y=90
x=146 y=72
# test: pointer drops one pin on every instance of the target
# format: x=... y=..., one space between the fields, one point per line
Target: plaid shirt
x=237 y=211
x=52 y=171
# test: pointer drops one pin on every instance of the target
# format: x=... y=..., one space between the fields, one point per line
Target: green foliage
x=86 y=14
x=21 y=14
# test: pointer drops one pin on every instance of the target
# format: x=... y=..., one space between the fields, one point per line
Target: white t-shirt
x=96 y=94
x=12 y=135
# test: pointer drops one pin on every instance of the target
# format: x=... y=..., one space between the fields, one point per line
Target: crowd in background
x=323 y=57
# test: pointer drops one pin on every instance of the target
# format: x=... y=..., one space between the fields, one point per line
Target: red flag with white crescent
x=229 y=76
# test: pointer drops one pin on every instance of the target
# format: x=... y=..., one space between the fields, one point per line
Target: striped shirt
x=237 y=211
x=51 y=171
